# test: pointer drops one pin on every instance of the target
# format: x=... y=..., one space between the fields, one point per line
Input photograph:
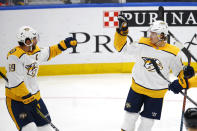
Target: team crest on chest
x=32 y=69
x=149 y=65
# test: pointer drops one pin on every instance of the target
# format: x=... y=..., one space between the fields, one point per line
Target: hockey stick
x=178 y=43
x=180 y=46
x=4 y=77
x=159 y=72
x=186 y=52
x=161 y=13
x=38 y=110
x=184 y=99
x=49 y=122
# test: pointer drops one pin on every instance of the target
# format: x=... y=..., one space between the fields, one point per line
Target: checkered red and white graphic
x=110 y=18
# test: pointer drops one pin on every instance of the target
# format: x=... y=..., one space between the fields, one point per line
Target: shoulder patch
x=12 y=51
x=16 y=51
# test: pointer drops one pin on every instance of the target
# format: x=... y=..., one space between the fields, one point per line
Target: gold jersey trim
x=9 y=107
x=149 y=92
x=17 y=92
x=17 y=98
x=19 y=52
x=167 y=48
x=53 y=51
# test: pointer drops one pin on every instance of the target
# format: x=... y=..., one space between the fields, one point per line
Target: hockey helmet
x=190 y=118
x=159 y=27
x=27 y=32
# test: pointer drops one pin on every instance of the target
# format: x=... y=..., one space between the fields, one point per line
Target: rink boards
x=94 y=26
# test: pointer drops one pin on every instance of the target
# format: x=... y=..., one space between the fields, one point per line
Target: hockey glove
x=123 y=25
x=188 y=72
x=67 y=43
x=30 y=103
x=175 y=87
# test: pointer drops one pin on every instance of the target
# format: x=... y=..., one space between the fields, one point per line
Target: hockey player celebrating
x=148 y=88
x=22 y=91
x=190 y=119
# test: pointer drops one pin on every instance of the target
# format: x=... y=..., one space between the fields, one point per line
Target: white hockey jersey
x=22 y=68
x=145 y=79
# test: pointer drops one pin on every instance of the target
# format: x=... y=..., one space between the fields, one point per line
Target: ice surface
x=93 y=103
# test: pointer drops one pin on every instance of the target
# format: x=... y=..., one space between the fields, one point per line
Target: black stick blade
x=161 y=13
x=3 y=76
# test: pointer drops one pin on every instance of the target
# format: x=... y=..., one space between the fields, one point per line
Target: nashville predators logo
x=32 y=69
x=149 y=65
x=27 y=29
x=128 y=105
x=23 y=115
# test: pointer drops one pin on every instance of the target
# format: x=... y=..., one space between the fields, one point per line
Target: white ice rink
x=93 y=103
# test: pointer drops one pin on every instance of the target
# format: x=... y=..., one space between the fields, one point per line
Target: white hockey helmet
x=27 y=32
x=159 y=27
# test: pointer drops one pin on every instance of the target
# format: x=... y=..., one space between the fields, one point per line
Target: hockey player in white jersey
x=22 y=90
x=148 y=88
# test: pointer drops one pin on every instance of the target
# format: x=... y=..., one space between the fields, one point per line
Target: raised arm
x=54 y=50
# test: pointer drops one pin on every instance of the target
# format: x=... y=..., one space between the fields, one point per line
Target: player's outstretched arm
x=62 y=46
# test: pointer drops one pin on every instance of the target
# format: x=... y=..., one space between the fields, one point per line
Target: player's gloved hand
x=175 y=87
x=30 y=103
x=70 y=42
x=123 y=25
x=67 y=43
x=188 y=72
